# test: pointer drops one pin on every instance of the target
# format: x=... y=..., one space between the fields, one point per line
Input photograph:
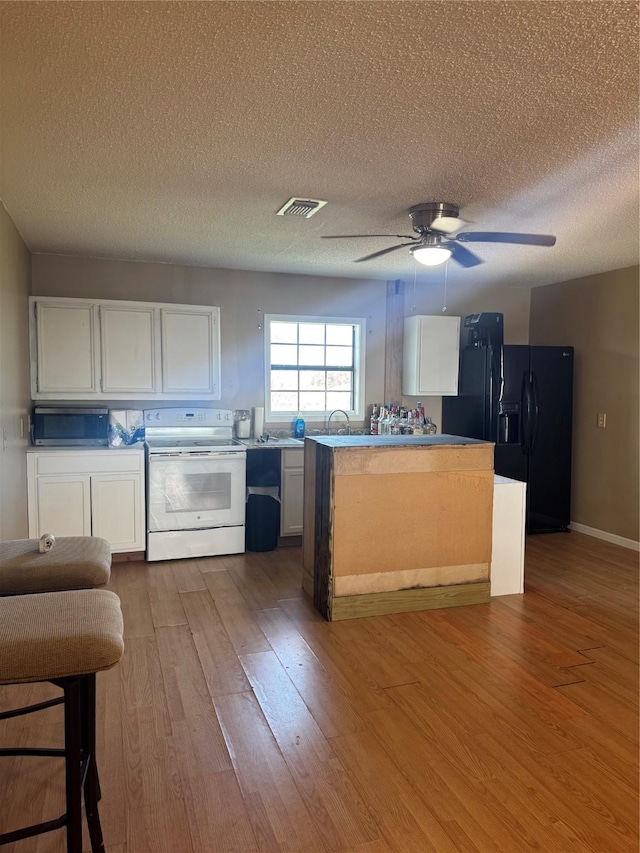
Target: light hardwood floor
x=238 y=720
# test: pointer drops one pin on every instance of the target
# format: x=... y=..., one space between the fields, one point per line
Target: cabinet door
x=66 y=348
x=191 y=352
x=292 y=498
x=117 y=510
x=128 y=344
x=431 y=355
x=63 y=506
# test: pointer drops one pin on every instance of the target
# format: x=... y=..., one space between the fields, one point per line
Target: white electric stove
x=196 y=482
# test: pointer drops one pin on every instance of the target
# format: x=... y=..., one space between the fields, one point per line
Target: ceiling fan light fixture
x=431 y=256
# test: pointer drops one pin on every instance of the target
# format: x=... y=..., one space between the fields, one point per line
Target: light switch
x=602 y=421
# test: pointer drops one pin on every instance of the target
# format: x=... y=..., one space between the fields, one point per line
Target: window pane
x=311 y=333
x=338 y=400
x=284 y=401
x=340 y=355
x=340 y=335
x=284 y=354
x=311 y=355
x=284 y=380
x=312 y=380
x=311 y=401
x=339 y=380
x=284 y=333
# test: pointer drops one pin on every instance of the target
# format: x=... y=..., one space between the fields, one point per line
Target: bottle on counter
x=373 y=420
x=298 y=426
x=430 y=428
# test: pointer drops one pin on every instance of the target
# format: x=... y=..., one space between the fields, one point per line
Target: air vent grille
x=304 y=207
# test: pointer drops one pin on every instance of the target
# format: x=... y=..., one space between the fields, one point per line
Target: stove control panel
x=178 y=417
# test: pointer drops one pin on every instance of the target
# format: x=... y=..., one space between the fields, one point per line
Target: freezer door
x=549 y=493
x=510 y=456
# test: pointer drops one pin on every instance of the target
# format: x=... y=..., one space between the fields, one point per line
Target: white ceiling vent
x=301 y=207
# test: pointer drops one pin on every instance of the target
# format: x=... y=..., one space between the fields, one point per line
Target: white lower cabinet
x=88 y=493
x=291 y=487
x=508 y=536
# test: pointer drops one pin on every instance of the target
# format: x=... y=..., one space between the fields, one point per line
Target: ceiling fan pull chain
x=444 y=295
x=415 y=271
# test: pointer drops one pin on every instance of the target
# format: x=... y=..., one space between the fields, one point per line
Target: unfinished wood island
x=396 y=523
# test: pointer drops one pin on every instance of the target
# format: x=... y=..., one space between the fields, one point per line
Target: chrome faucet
x=342 y=412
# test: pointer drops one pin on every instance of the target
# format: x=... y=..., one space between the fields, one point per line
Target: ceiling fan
x=437 y=225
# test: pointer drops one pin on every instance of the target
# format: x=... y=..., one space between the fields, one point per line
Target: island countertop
x=337 y=441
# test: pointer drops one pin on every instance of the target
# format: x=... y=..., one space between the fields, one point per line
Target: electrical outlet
x=602 y=421
x=21 y=426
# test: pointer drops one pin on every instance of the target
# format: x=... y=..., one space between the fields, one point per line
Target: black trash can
x=262 y=518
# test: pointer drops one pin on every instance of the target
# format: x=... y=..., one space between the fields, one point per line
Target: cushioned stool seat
x=65 y=638
x=75 y=562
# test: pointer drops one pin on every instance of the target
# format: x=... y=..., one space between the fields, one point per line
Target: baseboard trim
x=603 y=534
x=408 y=600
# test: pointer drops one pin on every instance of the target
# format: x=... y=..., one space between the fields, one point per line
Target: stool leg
x=73 y=763
x=92 y=782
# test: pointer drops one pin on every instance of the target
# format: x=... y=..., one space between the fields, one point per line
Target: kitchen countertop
x=393 y=440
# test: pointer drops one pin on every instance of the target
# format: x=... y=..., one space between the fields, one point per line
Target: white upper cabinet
x=129 y=357
x=190 y=343
x=84 y=349
x=65 y=361
x=431 y=356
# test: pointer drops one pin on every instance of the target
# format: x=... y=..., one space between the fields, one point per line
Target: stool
x=64 y=638
x=75 y=562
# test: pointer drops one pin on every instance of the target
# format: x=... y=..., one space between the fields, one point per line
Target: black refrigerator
x=521 y=398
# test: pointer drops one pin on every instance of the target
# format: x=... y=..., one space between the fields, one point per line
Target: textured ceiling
x=174 y=131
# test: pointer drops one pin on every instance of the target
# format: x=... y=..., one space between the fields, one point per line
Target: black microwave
x=69 y=427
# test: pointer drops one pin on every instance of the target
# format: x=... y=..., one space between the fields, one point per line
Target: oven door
x=194 y=491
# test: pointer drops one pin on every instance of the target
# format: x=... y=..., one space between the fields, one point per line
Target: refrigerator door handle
x=526 y=407
x=535 y=409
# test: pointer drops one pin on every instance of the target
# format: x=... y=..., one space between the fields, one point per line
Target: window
x=314 y=365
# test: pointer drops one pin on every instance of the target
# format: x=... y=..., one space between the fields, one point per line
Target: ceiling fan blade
x=381 y=252
x=506 y=237
x=447 y=224
x=463 y=256
x=351 y=236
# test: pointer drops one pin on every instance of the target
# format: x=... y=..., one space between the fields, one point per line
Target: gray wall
x=243 y=297
x=15 y=273
x=598 y=315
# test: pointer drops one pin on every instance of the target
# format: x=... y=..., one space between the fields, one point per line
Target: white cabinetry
x=129 y=352
x=88 y=493
x=189 y=351
x=65 y=363
x=84 y=349
x=508 y=536
x=291 y=486
x=431 y=356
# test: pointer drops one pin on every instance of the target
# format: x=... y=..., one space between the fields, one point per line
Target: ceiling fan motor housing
x=422 y=215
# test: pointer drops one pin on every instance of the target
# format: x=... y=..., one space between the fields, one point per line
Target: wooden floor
x=238 y=720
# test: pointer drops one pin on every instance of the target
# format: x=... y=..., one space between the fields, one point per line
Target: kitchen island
x=396 y=523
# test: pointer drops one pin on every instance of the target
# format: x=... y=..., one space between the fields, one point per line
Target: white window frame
x=357 y=413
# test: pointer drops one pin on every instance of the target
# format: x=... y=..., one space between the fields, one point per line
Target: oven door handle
x=233 y=454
